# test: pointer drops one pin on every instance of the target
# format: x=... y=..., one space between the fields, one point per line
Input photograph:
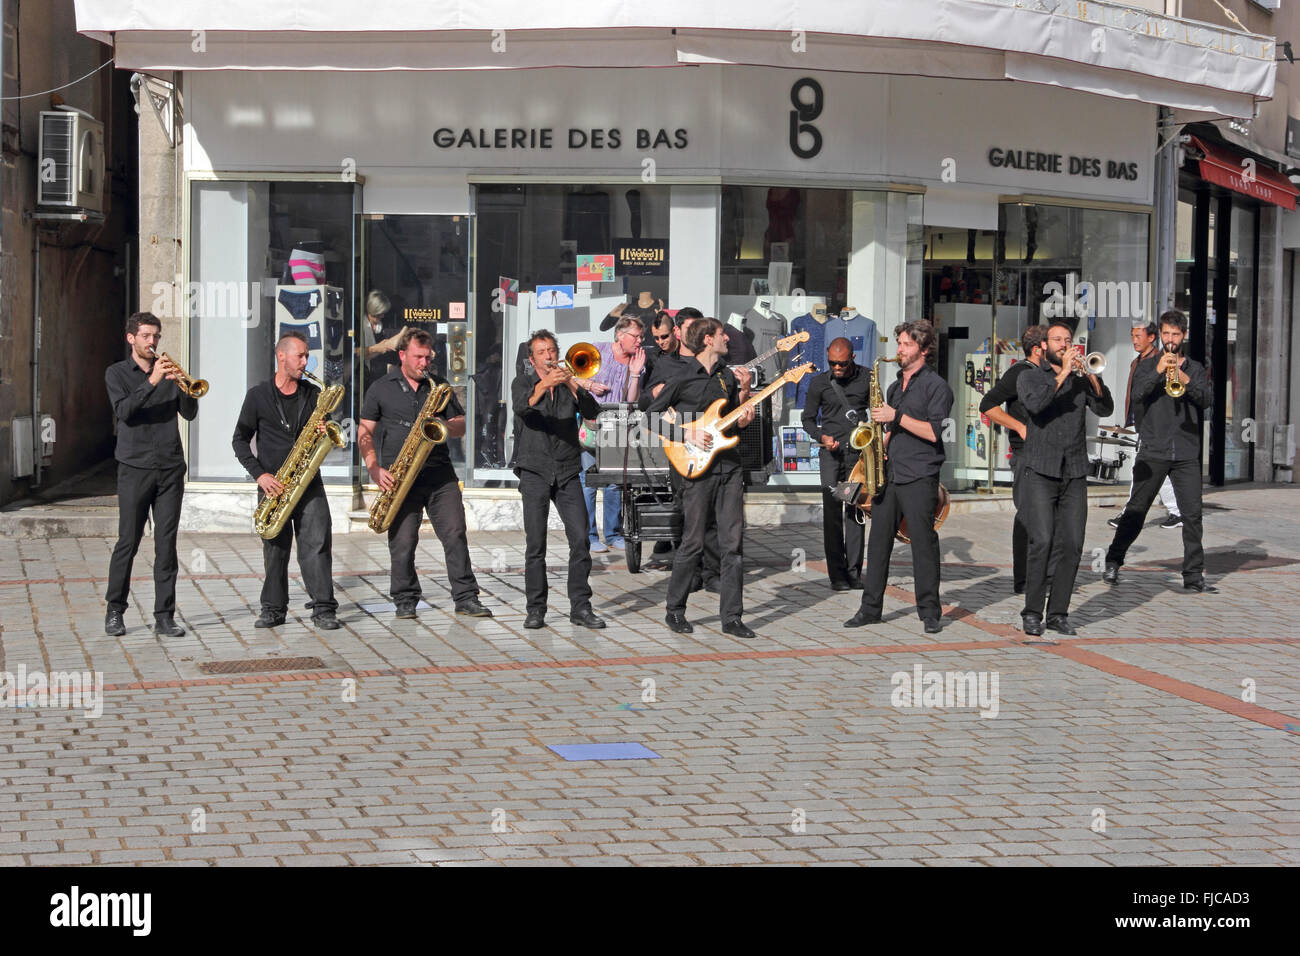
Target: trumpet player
x=914 y=411
x=836 y=404
x=547 y=405
x=1054 y=483
x=1170 y=394
x=389 y=412
x=275 y=412
x=146 y=399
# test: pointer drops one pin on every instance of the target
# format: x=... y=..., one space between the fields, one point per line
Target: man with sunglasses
x=837 y=402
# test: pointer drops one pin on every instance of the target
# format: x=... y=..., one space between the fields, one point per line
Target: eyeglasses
x=660 y=338
x=839 y=364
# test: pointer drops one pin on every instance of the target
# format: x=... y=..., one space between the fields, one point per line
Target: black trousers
x=722 y=495
x=538 y=494
x=843 y=537
x=1055 y=513
x=915 y=501
x=1019 y=533
x=138 y=490
x=709 y=563
x=1148 y=476
x=439 y=496
x=310 y=525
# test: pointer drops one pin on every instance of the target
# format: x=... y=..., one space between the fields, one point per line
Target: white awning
x=1098 y=47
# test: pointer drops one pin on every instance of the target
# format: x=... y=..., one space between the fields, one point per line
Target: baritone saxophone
x=304 y=461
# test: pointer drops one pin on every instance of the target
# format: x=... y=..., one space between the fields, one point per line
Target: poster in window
x=641 y=257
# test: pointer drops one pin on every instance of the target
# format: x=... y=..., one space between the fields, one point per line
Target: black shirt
x=546 y=434
x=1170 y=428
x=691 y=392
x=1055 y=446
x=927 y=398
x=824 y=402
x=1004 y=393
x=277 y=420
x=147 y=433
x=667 y=366
x=394 y=406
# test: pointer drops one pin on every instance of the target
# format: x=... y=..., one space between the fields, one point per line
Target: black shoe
x=1032 y=624
x=1114 y=522
x=933 y=626
x=325 y=621
x=855 y=581
x=164 y=626
x=662 y=547
x=269 y=619
x=1018 y=588
x=738 y=628
x=1173 y=521
x=113 y=624
x=405 y=610
x=1200 y=587
x=678 y=624
x=1111 y=574
x=861 y=619
x=711 y=586
x=1060 y=623
x=535 y=620
x=841 y=586
x=587 y=618
x=472 y=607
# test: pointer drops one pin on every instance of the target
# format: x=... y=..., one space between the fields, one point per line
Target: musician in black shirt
x=1170 y=445
x=391 y=407
x=1016 y=421
x=275 y=411
x=837 y=402
x=915 y=408
x=547 y=402
x=720 y=491
x=146 y=399
x=1055 y=481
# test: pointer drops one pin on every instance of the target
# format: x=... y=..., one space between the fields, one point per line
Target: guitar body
x=691 y=461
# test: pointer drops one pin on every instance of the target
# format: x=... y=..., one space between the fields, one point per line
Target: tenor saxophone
x=424 y=434
x=304 y=460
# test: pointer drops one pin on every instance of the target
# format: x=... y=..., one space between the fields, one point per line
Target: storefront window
x=266 y=257
x=1087 y=267
x=1239 y=403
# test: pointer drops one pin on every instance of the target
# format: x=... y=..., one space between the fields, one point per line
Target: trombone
x=580 y=361
x=193 y=387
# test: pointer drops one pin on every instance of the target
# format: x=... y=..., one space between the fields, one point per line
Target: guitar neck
x=729 y=420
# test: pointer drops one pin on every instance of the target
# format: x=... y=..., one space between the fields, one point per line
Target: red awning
x=1244 y=174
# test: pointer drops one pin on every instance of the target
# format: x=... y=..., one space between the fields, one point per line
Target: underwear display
x=300 y=304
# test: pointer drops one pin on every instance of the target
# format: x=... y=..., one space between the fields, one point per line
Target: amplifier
x=756 y=441
x=645 y=458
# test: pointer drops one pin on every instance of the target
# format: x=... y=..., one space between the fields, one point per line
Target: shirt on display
x=764 y=331
x=861 y=333
x=814 y=351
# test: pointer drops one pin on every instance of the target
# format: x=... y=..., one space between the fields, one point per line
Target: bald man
x=836 y=404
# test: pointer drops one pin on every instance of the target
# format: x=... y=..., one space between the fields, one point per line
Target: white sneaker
x=598 y=547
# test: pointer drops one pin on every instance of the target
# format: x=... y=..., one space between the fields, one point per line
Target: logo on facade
x=803 y=114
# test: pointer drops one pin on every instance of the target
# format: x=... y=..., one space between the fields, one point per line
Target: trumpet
x=193 y=387
x=1094 y=363
x=580 y=361
x=1174 y=386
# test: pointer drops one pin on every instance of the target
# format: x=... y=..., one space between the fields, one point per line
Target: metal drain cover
x=262 y=665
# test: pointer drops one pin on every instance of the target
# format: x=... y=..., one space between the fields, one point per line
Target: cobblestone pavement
x=1167 y=732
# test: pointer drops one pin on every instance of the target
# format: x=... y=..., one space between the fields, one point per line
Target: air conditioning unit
x=70 y=174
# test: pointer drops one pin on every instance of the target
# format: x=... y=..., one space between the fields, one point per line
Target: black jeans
x=916 y=501
x=842 y=535
x=138 y=490
x=440 y=497
x=310 y=525
x=1148 y=476
x=537 y=494
x=1020 y=533
x=1055 y=513
x=722 y=497
x=709 y=564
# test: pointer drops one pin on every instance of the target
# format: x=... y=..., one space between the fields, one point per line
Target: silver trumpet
x=1094 y=363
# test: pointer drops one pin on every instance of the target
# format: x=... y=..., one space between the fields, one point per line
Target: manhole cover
x=262 y=665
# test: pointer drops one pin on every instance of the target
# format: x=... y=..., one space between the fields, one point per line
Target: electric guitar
x=690 y=460
x=782 y=345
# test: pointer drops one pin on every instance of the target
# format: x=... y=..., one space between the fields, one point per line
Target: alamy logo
x=1105 y=300
x=76 y=690
x=946 y=689
x=103 y=909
